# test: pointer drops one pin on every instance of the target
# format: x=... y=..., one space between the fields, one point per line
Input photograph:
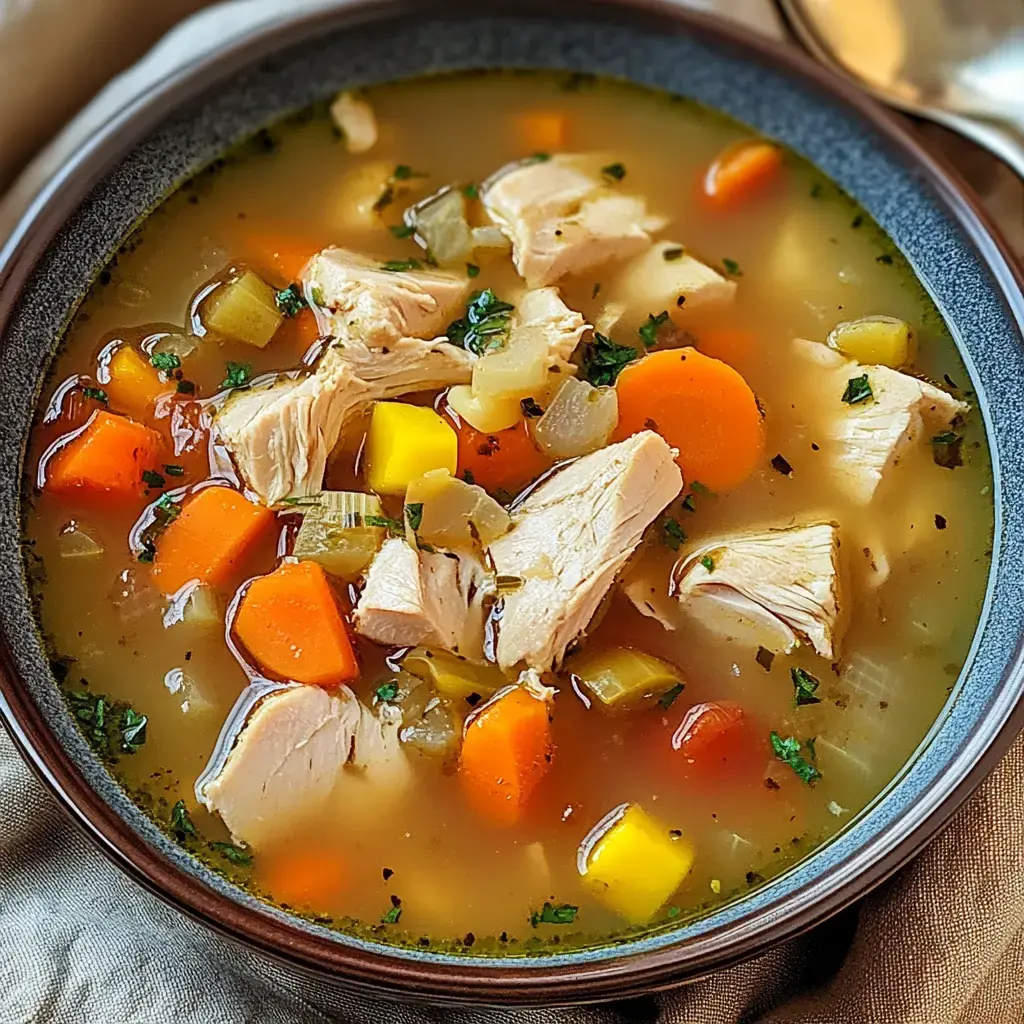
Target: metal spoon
x=958 y=62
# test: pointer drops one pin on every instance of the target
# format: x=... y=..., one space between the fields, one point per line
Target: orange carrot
x=705 y=727
x=290 y=623
x=215 y=530
x=541 y=131
x=742 y=171
x=109 y=456
x=283 y=261
x=506 y=751
x=134 y=385
x=304 y=877
x=506 y=460
x=701 y=406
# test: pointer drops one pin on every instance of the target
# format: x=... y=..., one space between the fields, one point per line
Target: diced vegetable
x=633 y=863
x=428 y=722
x=134 y=384
x=285 y=260
x=305 y=877
x=454 y=677
x=490 y=237
x=702 y=407
x=76 y=542
x=207 y=542
x=506 y=751
x=579 y=420
x=541 y=131
x=452 y=513
x=518 y=370
x=505 y=460
x=440 y=223
x=704 y=727
x=290 y=623
x=335 y=533
x=244 y=310
x=404 y=442
x=741 y=172
x=873 y=340
x=108 y=458
x=356 y=121
x=203 y=608
x=622 y=676
x=486 y=414
x=180 y=345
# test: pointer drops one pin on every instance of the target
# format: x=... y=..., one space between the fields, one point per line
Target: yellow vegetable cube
x=244 y=309
x=636 y=866
x=404 y=442
x=134 y=384
x=873 y=339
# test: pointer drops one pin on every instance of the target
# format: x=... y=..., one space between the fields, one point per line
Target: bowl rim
x=524 y=981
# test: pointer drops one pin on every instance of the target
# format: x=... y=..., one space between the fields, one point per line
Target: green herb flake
x=562 y=913
x=236 y=375
x=393 y=916
x=385 y=523
x=538 y=158
x=290 y=300
x=732 y=267
x=403 y=172
x=670 y=696
x=181 y=822
x=168 y=507
x=531 y=410
x=166 y=362
x=789 y=752
x=186 y=387
x=604 y=360
x=96 y=394
x=698 y=488
x=688 y=503
x=386 y=691
x=111 y=727
x=471 y=191
x=672 y=253
x=858 y=389
x=402 y=230
x=235 y=854
x=614 y=171
x=708 y=562
x=152 y=479
x=885 y=259
x=672 y=912
x=472 y=270
x=148 y=552
x=596 y=290
x=649 y=331
x=414 y=515
x=673 y=536
x=948 y=450
x=804 y=685
x=485 y=326
x=401 y=266
x=174 y=470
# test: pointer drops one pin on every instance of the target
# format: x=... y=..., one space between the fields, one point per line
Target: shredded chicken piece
x=543 y=308
x=356 y=120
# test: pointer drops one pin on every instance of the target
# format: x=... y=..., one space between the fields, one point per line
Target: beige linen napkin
x=941 y=943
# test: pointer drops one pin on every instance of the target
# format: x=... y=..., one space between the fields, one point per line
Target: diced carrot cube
x=134 y=385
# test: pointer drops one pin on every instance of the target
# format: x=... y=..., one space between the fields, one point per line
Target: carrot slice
x=702 y=407
x=742 y=171
x=134 y=385
x=506 y=751
x=506 y=460
x=705 y=726
x=290 y=623
x=304 y=877
x=109 y=456
x=215 y=530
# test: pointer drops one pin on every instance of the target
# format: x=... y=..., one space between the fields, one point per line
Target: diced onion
x=490 y=237
x=334 y=531
x=203 y=608
x=77 y=542
x=180 y=345
x=579 y=420
x=452 y=513
x=243 y=309
x=517 y=371
x=440 y=223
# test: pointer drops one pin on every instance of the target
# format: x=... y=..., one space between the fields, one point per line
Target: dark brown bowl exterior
x=76 y=224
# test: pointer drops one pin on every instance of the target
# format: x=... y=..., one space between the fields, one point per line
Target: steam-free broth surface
x=417 y=854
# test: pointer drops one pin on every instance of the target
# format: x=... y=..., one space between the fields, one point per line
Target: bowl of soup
x=509 y=508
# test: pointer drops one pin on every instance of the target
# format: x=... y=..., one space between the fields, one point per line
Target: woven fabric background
x=941 y=943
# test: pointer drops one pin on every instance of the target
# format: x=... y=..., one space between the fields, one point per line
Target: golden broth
x=807 y=259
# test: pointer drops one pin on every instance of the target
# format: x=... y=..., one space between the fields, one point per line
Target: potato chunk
x=244 y=310
x=404 y=442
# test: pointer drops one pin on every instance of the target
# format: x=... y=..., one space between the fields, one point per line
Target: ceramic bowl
x=187 y=120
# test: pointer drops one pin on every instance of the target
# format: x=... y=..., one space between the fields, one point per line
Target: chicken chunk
x=561 y=219
x=563 y=327
x=355 y=298
x=570 y=538
x=284 y=755
x=428 y=598
x=772 y=589
x=865 y=439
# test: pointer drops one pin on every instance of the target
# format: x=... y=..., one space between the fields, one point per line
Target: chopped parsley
x=471 y=191
x=167 y=507
x=563 y=913
x=531 y=410
x=174 y=470
x=538 y=158
x=467 y=475
x=765 y=658
x=672 y=253
x=670 y=696
x=858 y=389
x=401 y=266
x=239 y=857
x=111 y=727
x=649 y=331
x=165 y=361
x=788 y=751
x=485 y=326
x=708 y=562
x=385 y=523
x=403 y=172
x=472 y=270
x=596 y=290
x=186 y=387
x=148 y=552
x=781 y=465
x=402 y=230
x=414 y=515
x=96 y=394
x=152 y=479
x=386 y=691
x=804 y=685
x=181 y=823
x=698 y=488
x=732 y=267
x=948 y=450
x=687 y=503
x=604 y=359
x=236 y=375
x=885 y=259
x=290 y=300
x=673 y=536
x=393 y=916
x=817 y=190
x=614 y=171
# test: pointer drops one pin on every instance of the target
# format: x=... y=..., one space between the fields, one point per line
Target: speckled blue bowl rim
x=954 y=256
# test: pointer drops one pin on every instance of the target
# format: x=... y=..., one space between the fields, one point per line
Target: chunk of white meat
x=355 y=298
x=563 y=327
x=290 y=755
x=773 y=589
x=569 y=540
x=865 y=440
x=424 y=598
x=563 y=220
x=356 y=120
x=407 y=365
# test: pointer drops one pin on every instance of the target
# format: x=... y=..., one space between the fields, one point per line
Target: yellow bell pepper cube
x=404 y=442
x=134 y=384
x=636 y=866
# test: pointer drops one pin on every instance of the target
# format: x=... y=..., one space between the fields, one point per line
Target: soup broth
x=798 y=737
